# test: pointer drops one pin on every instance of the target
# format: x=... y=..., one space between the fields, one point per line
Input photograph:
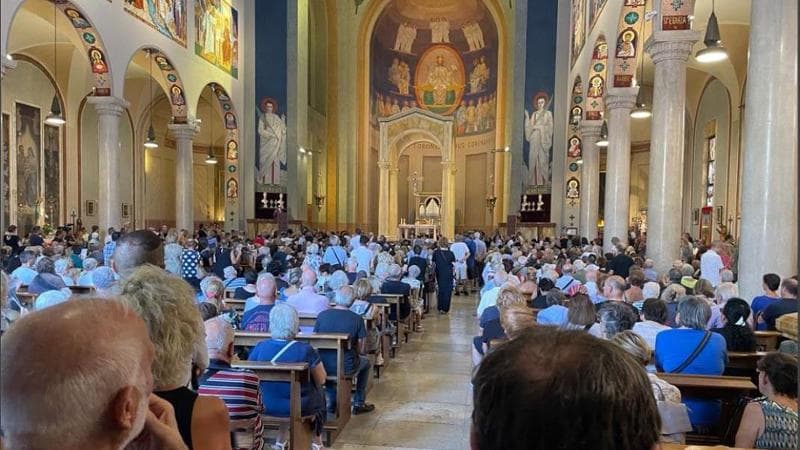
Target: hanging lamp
x=603 y=142
x=55 y=117
x=210 y=158
x=151 y=132
x=714 y=50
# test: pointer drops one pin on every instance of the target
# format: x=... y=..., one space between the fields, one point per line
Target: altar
x=404 y=230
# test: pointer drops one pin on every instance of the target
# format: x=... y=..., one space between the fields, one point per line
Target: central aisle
x=423 y=400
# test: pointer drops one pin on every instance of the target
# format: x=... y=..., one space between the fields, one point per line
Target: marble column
x=184 y=175
x=448 y=199
x=669 y=51
x=768 y=241
x=109 y=110
x=393 y=200
x=619 y=103
x=590 y=192
x=383 y=198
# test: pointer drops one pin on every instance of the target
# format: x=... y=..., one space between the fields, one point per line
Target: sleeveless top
x=780 y=426
x=182 y=401
x=222 y=261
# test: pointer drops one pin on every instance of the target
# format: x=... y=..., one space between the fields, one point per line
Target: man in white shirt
x=363 y=256
x=711 y=264
x=355 y=240
x=461 y=252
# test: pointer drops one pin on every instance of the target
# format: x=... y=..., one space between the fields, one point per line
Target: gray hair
x=167 y=305
x=672 y=293
x=726 y=291
x=219 y=334
x=344 y=296
x=283 y=321
x=413 y=271
x=651 y=289
x=381 y=271
x=395 y=270
x=135 y=249
x=649 y=263
x=337 y=280
x=615 y=317
x=693 y=312
x=312 y=249
x=334 y=240
x=89 y=264
x=726 y=276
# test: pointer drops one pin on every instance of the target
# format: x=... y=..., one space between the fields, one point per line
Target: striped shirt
x=240 y=391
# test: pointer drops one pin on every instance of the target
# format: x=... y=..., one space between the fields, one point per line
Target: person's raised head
x=413 y=272
x=581 y=311
x=615 y=317
x=266 y=286
x=634 y=345
x=362 y=289
x=344 y=296
x=167 y=305
x=308 y=279
x=655 y=309
x=87 y=383
x=516 y=318
x=567 y=269
x=135 y=249
x=693 y=312
x=636 y=278
x=213 y=288
x=284 y=323
x=675 y=275
x=789 y=288
x=777 y=374
x=528 y=396
x=614 y=287
x=736 y=311
x=395 y=271
x=771 y=282
x=27 y=258
x=45 y=265
x=219 y=338
x=725 y=291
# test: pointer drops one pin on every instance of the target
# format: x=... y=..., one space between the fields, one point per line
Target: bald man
x=93 y=390
x=258 y=307
x=307 y=301
x=136 y=249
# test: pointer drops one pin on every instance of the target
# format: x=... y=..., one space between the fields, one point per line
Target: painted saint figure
x=232 y=152
x=573 y=188
x=574 y=150
x=440 y=79
x=177 y=95
x=232 y=190
x=98 y=63
x=539 y=134
x=596 y=86
x=626 y=46
x=272 y=148
x=77 y=20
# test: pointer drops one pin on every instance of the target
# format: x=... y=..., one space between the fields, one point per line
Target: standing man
x=711 y=264
x=461 y=253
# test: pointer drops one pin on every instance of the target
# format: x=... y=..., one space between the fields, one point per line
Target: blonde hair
x=634 y=345
x=166 y=304
x=508 y=296
x=171 y=237
x=516 y=318
x=362 y=289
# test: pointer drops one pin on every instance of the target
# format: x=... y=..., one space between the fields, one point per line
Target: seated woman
x=282 y=348
x=771 y=421
x=637 y=347
x=738 y=335
x=581 y=314
x=556 y=313
x=249 y=288
x=167 y=306
x=691 y=349
x=515 y=319
x=491 y=328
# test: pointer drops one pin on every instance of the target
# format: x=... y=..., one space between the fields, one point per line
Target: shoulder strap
x=694 y=354
x=280 y=353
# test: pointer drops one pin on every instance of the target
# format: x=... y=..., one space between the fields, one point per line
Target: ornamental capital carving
x=183 y=131
x=383 y=165
x=591 y=128
x=108 y=105
x=621 y=98
x=671 y=45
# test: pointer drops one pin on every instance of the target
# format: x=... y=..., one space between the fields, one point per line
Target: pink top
x=307 y=301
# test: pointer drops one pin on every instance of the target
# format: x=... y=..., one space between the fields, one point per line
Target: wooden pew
x=300 y=428
x=767 y=341
x=380 y=319
x=344 y=383
x=744 y=360
x=81 y=290
x=710 y=387
x=393 y=301
x=308 y=320
x=236 y=304
x=787 y=326
x=26 y=298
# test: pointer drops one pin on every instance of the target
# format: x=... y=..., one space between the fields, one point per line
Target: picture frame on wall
x=719 y=214
x=90 y=208
x=126 y=211
x=696 y=217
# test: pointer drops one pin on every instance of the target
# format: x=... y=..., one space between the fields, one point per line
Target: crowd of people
x=162 y=336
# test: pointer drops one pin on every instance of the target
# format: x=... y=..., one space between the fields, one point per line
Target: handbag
x=674 y=415
x=694 y=354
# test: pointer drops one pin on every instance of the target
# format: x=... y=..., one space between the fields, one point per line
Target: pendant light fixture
x=603 y=142
x=210 y=158
x=151 y=132
x=55 y=118
x=640 y=111
x=714 y=50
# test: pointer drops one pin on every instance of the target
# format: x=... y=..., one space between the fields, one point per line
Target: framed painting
x=168 y=17
x=578 y=29
x=28 y=153
x=216 y=25
x=52 y=174
x=91 y=208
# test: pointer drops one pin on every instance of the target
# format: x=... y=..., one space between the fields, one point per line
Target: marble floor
x=423 y=400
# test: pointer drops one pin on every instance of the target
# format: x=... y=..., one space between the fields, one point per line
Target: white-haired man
x=257 y=307
x=238 y=388
x=335 y=254
x=650 y=273
x=724 y=292
x=489 y=298
x=307 y=301
x=70 y=395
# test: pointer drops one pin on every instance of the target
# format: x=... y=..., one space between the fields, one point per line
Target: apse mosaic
x=216 y=25
x=446 y=64
x=169 y=17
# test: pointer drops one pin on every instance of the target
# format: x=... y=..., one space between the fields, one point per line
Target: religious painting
x=232 y=188
x=78 y=21
x=578 y=28
x=166 y=16
x=271 y=167
x=5 y=183
x=99 y=65
x=163 y=63
x=176 y=95
x=574 y=148
x=52 y=174
x=539 y=135
x=90 y=209
x=230 y=121
x=29 y=145
x=231 y=150
x=573 y=188
x=595 y=9
x=217 y=34
x=439 y=79
x=626 y=44
x=596 y=88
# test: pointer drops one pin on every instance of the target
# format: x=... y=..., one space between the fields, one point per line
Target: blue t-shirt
x=672 y=349
x=341 y=321
x=552 y=315
x=276 y=394
x=759 y=304
x=257 y=318
x=490 y=322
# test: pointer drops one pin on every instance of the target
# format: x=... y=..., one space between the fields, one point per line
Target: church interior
x=618 y=137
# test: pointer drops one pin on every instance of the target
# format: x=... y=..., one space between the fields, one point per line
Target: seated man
x=25 y=272
x=135 y=249
x=393 y=285
x=238 y=388
x=787 y=304
x=257 y=308
x=82 y=392
x=527 y=396
x=307 y=301
x=341 y=320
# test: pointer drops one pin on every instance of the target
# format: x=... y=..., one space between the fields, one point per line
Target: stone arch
x=94 y=49
x=596 y=86
x=231 y=159
x=629 y=44
x=170 y=81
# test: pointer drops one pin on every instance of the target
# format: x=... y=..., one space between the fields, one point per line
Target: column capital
x=108 y=105
x=621 y=98
x=6 y=65
x=383 y=165
x=671 y=45
x=183 y=131
x=591 y=128
x=449 y=165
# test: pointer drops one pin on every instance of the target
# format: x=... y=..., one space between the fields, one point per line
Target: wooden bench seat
x=300 y=428
x=744 y=360
x=729 y=390
x=767 y=341
x=344 y=383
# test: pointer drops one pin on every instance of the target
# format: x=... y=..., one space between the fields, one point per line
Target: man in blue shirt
x=25 y=273
x=335 y=254
x=108 y=249
x=770 y=284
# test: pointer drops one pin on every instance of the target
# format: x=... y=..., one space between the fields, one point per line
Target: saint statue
x=539 y=134
x=272 y=150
